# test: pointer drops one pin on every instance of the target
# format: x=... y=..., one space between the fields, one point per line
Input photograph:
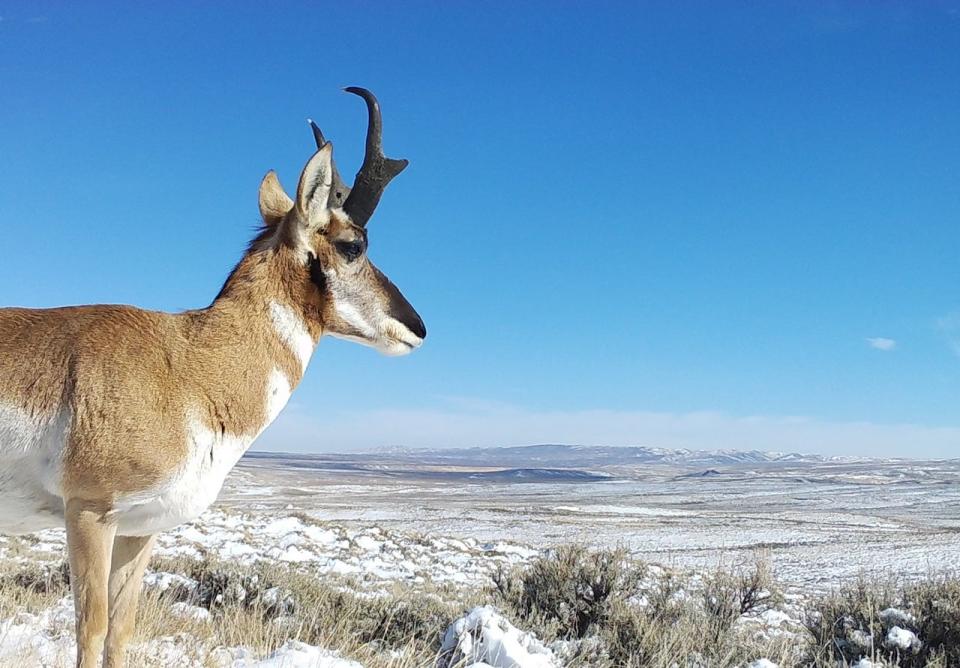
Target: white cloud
x=494 y=424
x=881 y=343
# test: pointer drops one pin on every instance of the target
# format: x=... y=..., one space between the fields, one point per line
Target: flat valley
x=820 y=521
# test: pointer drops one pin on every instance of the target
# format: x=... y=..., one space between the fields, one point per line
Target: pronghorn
x=119 y=423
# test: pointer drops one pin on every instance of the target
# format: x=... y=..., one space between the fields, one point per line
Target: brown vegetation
x=596 y=609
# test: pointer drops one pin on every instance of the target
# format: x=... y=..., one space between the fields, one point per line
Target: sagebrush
x=594 y=608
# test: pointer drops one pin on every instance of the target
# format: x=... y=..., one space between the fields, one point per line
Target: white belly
x=195 y=486
x=192 y=489
x=31 y=467
x=31 y=454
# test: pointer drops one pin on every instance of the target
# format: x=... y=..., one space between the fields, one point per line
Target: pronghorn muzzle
x=401 y=310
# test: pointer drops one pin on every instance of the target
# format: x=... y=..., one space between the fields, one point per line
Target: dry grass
x=597 y=609
x=263 y=606
x=31 y=587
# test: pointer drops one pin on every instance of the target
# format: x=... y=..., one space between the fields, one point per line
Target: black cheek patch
x=317 y=277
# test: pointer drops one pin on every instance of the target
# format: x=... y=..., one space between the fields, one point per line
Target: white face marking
x=352 y=316
x=386 y=334
x=293 y=332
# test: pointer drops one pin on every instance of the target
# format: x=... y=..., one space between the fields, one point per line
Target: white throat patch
x=293 y=332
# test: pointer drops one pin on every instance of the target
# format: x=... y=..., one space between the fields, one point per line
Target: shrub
x=909 y=626
x=605 y=611
x=569 y=590
x=729 y=595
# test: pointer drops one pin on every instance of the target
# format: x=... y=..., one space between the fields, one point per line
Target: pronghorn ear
x=313 y=191
x=275 y=203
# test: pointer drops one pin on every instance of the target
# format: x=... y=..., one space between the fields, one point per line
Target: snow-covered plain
x=820 y=524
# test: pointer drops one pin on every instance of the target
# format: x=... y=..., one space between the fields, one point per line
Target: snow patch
x=897 y=617
x=902 y=639
x=163 y=581
x=484 y=639
x=192 y=612
x=296 y=654
x=44 y=639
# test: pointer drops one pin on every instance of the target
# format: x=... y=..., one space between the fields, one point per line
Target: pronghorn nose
x=416 y=325
x=406 y=314
x=400 y=309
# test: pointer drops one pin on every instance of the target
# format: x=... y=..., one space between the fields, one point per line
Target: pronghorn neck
x=267 y=298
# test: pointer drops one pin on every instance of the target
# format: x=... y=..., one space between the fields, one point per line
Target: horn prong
x=317 y=134
x=339 y=191
x=377 y=170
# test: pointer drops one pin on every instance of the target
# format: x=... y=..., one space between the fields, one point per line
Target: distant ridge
x=399 y=465
x=709 y=473
x=597 y=455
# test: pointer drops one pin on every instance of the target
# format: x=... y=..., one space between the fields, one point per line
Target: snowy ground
x=821 y=526
x=370 y=556
x=46 y=640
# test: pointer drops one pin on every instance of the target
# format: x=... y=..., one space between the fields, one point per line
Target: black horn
x=376 y=171
x=339 y=190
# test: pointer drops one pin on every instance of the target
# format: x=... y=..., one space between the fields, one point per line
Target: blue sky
x=678 y=224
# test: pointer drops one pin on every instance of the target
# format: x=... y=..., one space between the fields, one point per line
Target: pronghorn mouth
x=409 y=346
x=401 y=345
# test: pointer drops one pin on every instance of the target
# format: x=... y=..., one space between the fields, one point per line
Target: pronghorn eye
x=350 y=249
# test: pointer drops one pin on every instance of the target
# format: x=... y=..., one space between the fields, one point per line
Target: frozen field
x=820 y=522
x=381 y=518
x=447 y=522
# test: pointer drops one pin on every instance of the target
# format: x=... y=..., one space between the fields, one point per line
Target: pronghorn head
x=326 y=228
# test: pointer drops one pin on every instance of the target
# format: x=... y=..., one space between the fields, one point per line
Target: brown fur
x=127 y=376
x=127 y=563
x=90 y=539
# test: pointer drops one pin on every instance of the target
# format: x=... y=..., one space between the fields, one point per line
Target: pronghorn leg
x=130 y=557
x=89 y=541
